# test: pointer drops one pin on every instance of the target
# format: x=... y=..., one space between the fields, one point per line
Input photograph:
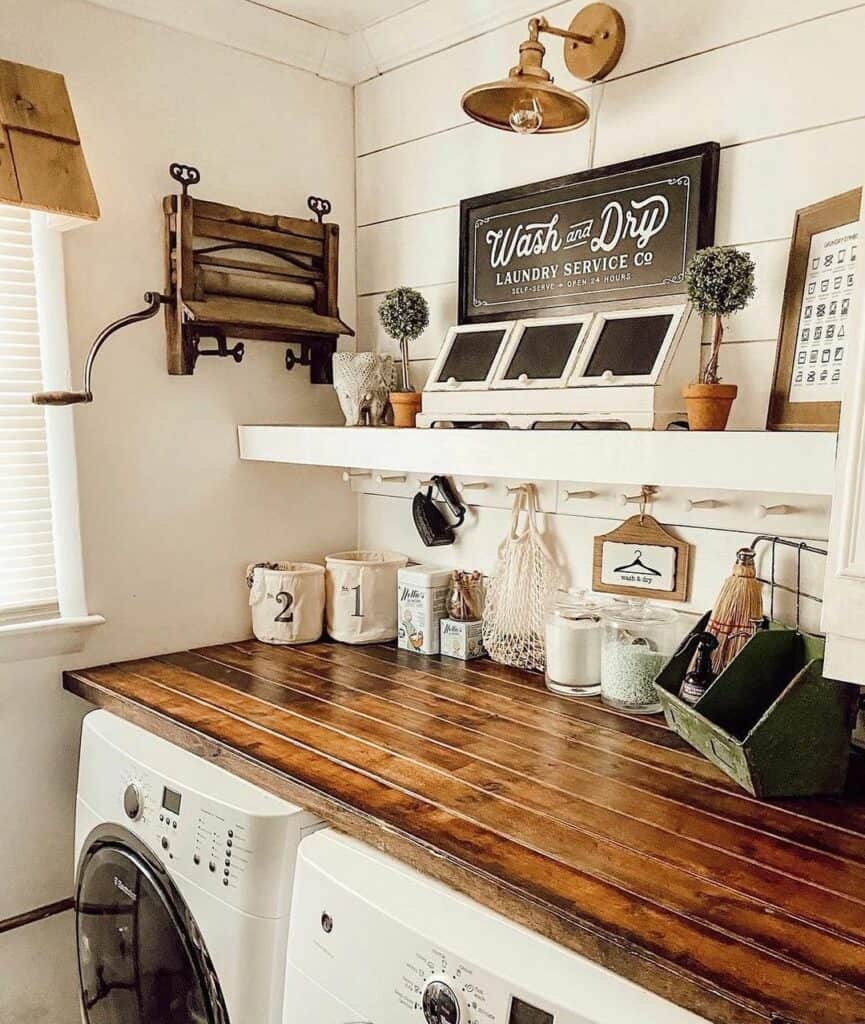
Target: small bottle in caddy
x=422 y=592
x=462 y=629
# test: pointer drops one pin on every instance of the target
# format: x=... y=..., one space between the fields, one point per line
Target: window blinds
x=28 y=585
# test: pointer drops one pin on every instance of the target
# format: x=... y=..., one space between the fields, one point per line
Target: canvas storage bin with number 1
x=287 y=601
x=362 y=595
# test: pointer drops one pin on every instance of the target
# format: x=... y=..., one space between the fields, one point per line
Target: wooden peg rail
x=601 y=831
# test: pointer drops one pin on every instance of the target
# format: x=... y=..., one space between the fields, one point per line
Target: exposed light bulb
x=526 y=117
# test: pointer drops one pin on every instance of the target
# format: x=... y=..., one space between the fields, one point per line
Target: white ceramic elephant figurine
x=363 y=381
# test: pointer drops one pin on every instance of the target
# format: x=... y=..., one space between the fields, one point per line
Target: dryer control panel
x=371 y=939
x=213 y=828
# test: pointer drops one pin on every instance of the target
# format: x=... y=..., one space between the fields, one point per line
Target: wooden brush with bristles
x=738 y=610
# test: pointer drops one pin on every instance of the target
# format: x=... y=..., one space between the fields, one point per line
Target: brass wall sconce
x=527 y=101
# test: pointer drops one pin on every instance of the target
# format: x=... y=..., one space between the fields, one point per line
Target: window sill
x=45 y=638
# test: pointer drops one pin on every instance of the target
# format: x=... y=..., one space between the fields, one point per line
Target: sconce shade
x=527 y=101
x=42 y=164
x=492 y=103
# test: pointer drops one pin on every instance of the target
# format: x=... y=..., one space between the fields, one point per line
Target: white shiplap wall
x=780 y=84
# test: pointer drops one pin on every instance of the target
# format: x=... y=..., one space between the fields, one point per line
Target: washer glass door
x=140 y=958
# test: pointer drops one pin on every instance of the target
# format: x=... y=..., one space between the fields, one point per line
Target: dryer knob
x=440 y=1004
x=132 y=801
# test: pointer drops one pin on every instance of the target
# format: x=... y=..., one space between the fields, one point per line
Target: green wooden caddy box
x=771 y=720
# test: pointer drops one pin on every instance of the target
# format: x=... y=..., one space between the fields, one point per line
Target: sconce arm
x=541 y=24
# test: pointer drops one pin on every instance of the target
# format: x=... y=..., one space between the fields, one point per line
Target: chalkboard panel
x=629 y=346
x=543 y=351
x=471 y=356
x=616 y=233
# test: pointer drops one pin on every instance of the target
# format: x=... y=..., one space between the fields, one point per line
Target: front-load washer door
x=141 y=959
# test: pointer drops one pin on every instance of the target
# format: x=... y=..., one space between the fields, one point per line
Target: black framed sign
x=613 y=233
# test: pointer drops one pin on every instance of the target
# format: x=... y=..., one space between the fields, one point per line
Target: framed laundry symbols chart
x=641 y=558
x=822 y=275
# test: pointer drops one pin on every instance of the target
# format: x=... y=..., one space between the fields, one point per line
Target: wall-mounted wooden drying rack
x=234 y=273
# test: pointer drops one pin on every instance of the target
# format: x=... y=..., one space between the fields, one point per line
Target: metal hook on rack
x=348 y=476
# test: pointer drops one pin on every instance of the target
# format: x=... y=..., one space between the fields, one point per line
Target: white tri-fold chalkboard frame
x=611 y=367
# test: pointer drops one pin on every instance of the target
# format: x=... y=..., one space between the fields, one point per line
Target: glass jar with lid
x=638 y=639
x=572 y=633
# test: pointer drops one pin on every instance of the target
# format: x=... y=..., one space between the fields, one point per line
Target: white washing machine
x=372 y=940
x=183 y=884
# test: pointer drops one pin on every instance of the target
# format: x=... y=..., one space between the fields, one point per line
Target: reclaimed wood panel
x=604 y=832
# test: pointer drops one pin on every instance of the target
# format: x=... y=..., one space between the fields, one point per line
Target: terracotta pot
x=406 y=406
x=709 y=405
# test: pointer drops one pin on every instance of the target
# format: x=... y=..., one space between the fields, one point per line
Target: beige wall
x=170 y=516
x=690 y=73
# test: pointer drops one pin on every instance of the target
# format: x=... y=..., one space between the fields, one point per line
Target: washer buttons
x=225 y=881
x=196 y=859
x=212 y=866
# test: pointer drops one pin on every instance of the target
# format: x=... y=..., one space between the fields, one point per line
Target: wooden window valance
x=42 y=164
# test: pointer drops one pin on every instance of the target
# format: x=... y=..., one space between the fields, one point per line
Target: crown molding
x=437 y=25
x=347 y=59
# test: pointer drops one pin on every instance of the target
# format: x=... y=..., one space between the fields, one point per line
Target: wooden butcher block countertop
x=601 y=831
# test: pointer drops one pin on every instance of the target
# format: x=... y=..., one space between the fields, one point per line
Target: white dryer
x=372 y=940
x=183 y=884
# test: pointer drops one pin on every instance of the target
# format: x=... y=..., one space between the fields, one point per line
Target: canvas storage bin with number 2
x=362 y=595
x=287 y=601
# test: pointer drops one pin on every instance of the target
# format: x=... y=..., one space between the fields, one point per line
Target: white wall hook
x=348 y=476
x=517 y=487
x=762 y=511
x=691 y=505
x=474 y=485
x=424 y=483
x=647 y=492
x=398 y=478
x=579 y=495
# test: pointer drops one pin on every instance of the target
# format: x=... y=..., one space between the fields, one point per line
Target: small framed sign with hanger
x=640 y=558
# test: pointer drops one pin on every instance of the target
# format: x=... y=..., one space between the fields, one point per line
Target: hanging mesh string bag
x=524 y=576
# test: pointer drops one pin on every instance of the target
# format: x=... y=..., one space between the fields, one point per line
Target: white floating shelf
x=788 y=463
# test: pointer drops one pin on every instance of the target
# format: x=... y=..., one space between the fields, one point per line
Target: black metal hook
x=320 y=207
x=185 y=174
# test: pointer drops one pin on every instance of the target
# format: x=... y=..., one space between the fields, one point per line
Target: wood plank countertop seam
x=603 y=832
x=714 y=896
x=524 y=775
x=761 y=808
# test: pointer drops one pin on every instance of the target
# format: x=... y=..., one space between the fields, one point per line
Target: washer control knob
x=440 y=1004
x=132 y=803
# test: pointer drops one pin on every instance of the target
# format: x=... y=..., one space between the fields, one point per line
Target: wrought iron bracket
x=320 y=207
x=185 y=174
x=317 y=354
x=222 y=350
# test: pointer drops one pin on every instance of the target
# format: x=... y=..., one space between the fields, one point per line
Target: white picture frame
x=675 y=311
x=434 y=383
x=581 y=321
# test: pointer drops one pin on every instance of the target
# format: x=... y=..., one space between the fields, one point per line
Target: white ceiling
x=346 y=16
x=346 y=41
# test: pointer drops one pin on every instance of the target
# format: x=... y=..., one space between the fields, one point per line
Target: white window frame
x=67 y=632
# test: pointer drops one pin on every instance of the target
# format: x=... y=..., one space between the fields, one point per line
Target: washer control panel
x=371 y=939
x=225 y=835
